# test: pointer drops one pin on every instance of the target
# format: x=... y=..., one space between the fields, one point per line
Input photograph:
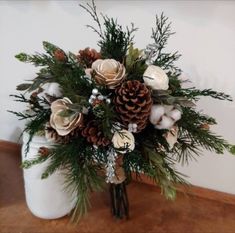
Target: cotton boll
x=53 y=89
x=175 y=114
x=156 y=113
x=165 y=123
x=168 y=108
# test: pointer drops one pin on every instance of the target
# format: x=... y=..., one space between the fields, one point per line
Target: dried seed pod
x=87 y=56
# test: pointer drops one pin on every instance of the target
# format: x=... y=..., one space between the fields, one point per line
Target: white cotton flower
x=165 y=123
x=53 y=89
x=164 y=116
x=174 y=114
x=157 y=111
x=156 y=78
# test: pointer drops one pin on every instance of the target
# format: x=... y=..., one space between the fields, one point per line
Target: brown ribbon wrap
x=119 y=171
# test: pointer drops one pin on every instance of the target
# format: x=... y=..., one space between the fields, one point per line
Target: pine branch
x=29 y=163
x=91 y=9
x=83 y=175
x=162 y=172
x=191 y=122
x=185 y=149
x=155 y=52
x=37 y=59
x=115 y=41
x=193 y=93
x=22 y=116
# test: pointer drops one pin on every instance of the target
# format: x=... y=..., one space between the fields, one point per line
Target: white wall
x=205 y=36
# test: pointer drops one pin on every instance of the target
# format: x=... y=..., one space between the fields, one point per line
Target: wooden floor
x=149 y=211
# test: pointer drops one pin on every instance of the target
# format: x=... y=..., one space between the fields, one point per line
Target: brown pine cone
x=87 y=56
x=133 y=103
x=60 y=55
x=44 y=151
x=95 y=135
x=52 y=135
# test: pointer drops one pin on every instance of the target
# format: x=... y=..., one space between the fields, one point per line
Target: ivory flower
x=108 y=72
x=64 y=124
x=156 y=78
x=123 y=140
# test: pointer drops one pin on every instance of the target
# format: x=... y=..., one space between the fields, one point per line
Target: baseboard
x=197 y=191
x=192 y=190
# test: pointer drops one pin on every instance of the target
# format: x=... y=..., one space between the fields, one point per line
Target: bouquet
x=116 y=113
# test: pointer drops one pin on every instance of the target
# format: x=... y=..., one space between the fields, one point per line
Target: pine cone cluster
x=87 y=56
x=133 y=103
x=52 y=135
x=95 y=135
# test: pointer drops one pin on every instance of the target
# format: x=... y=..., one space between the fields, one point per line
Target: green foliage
x=29 y=163
x=105 y=116
x=190 y=128
x=232 y=149
x=50 y=48
x=37 y=59
x=135 y=64
x=114 y=41
x=193 y=93
x=161 y=34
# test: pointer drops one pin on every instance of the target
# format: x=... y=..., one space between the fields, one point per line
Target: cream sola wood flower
x=171 y=136
x=64 y=124
x=164 y=116
x=124 y=141
x=156 y=78
x=108 y=72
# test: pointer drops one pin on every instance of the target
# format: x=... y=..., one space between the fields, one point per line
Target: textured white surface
x=205 y=36
x=45 y=198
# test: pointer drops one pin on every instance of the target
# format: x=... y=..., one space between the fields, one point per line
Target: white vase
x=45 y=198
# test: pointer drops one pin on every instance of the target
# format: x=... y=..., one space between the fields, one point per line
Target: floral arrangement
x=116 y=113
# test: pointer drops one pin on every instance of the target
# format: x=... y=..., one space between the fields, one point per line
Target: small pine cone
x=95 y=135
x=87 y=56
x=52 y=135
x=60 y=55
x=133 y=103
x=205 y=126
x=43 y=151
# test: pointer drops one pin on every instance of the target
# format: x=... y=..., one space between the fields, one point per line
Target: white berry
x=95 y=91
x=100 y=97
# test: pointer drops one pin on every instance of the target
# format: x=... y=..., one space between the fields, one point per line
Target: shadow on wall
x=16 y=135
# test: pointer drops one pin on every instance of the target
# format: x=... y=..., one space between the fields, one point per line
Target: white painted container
x=45 y=198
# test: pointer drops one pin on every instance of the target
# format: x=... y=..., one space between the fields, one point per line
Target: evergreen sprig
x=114 y=41
x=160 y=34
x=191 y=123
x=193 y=93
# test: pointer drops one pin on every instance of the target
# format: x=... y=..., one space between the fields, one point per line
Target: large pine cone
x=133 y=102
x=94 y=134
x=87 y=56
x=52 y=135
